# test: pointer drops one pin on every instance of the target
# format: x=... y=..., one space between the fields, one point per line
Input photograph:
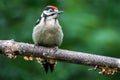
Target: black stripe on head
x=44 y=15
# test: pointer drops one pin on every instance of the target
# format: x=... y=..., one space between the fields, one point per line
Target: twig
x=12 y=48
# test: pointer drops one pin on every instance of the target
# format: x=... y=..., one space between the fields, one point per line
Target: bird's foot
x=36 y=45
x=55 y=49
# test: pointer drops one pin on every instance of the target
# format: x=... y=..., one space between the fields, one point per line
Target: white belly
x=48 y=35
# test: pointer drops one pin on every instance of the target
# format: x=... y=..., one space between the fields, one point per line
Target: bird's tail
x=48 y=64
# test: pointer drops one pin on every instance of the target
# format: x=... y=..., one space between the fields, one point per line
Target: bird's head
x=51 y=12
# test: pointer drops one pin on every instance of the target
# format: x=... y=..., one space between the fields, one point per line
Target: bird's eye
x=50 y=10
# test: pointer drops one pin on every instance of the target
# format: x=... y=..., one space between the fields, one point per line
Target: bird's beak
x=59 y=12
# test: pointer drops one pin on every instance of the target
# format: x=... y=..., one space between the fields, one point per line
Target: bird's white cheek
x=55 y=16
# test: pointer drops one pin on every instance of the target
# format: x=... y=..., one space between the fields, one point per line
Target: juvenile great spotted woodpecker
x=48 y=32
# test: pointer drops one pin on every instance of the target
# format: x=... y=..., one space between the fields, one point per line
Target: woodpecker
x=48 y=32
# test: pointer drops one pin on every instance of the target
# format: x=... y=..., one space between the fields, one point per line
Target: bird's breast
x=48 y=35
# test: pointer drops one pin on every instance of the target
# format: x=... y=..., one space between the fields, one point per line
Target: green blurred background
x=91 y=26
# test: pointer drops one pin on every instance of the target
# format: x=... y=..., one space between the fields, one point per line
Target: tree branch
x=107 y=65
